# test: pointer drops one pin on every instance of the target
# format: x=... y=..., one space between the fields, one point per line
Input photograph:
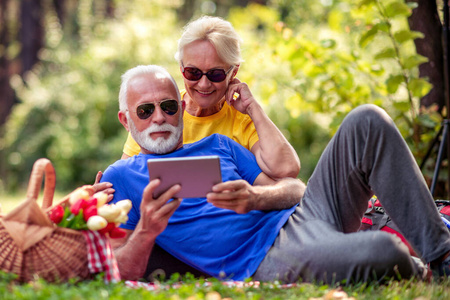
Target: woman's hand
x=273 y=152
x=239 y=96
x=105 y=187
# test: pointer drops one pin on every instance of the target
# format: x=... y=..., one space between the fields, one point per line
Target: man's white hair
x=158 y=71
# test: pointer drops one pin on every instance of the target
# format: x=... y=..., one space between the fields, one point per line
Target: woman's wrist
x=255 y=110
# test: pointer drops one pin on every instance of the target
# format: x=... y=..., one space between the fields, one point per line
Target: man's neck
x=179 y=146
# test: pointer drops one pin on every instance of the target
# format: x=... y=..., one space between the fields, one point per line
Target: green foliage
x=308 y=62
x=403 y=86
x=68 y=109
x=363 y=53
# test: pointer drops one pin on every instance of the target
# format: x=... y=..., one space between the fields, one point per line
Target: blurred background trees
x=308 y=62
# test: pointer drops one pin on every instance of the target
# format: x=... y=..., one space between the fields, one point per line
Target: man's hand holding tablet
x=195 y=174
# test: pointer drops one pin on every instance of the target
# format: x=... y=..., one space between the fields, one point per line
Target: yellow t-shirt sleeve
x=228 y=122
x=131 y=148
x=252 y=135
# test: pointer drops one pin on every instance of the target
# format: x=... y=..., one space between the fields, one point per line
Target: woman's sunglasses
x=214 y=75
x=144 y=111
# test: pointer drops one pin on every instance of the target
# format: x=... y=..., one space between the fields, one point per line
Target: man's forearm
x=284 y=194
x=132 y=257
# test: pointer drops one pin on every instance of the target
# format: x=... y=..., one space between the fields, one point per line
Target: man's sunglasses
x=214 y=75
x=144 y=111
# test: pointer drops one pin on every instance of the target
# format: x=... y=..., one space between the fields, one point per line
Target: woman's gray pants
x=320 y=242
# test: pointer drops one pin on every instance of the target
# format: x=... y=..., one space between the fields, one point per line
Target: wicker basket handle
x=42 y=166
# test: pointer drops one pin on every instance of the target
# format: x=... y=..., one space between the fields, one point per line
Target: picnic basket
x=31 y=246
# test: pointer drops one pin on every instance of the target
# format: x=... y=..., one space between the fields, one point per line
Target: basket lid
x=27 y=224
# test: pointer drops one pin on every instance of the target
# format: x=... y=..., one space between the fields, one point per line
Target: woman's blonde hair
x=218 y=32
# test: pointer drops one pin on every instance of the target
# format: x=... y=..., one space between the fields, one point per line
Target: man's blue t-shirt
x=216 y=241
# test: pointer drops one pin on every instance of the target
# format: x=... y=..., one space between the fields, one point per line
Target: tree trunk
x=110 y=9
x=6 y=92
x=186 y=11
x=31 y=33
x=425 y=18
x=60 y=10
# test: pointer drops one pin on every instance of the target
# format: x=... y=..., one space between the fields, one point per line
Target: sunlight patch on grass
x=10 y=201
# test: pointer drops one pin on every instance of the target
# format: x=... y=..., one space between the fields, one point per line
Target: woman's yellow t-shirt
x=228 y=121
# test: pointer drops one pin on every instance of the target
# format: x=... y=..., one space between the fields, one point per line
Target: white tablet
x=195 y=174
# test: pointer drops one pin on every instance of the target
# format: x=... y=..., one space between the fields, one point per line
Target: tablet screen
x=195 y=174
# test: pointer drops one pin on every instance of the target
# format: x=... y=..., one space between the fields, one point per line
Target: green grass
x=8 y=202
x=197 y=289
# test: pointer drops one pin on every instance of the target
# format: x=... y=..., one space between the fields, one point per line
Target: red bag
x=376 y=218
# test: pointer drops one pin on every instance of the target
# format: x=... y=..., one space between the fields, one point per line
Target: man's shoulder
x=130 y=163
x=123 y=162
x=215 y=138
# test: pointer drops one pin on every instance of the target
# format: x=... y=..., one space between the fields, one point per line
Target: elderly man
x=251 y=225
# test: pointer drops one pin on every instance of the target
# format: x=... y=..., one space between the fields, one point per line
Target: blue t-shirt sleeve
x=245 y=161
x=113 y=176
x=120 y=179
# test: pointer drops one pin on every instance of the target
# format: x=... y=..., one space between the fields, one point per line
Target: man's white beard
x=160 y=145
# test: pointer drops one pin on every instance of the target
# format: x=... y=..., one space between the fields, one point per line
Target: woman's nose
x=204 y=82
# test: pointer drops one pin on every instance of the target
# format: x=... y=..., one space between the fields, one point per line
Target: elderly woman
x=217 y=102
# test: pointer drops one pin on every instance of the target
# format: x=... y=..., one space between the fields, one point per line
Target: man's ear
x=123 y=119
